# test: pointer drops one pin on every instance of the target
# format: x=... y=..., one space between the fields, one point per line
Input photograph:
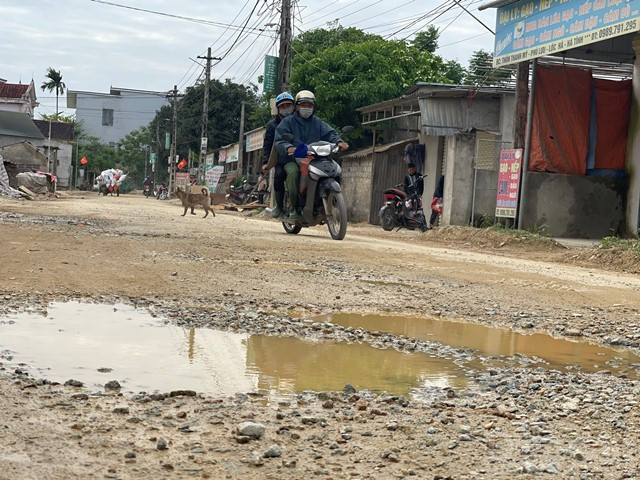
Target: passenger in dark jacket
x=284 y=103
x=306 y=128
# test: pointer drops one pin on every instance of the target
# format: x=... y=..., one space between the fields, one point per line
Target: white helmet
x=305 y=96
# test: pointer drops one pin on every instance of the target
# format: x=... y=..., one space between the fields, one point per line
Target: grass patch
x=622 y=244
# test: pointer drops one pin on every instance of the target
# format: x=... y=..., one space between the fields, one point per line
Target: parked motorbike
x=162 y=192
x=321 y=194
x=242 y=195
x=402 y=210
x=146 y=190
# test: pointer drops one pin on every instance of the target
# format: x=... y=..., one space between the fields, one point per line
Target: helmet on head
x=284 y=97
x=305 y=96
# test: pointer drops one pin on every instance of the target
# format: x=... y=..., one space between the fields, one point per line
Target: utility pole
x=286 y=33
x=205 y=112
x=241 y=144
x=174 y=143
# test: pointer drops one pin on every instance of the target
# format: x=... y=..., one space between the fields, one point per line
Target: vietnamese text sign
x=270 y=74
x=182 y=180
x=232 y=153
x=533 y=28
x=508 y=183
x=212 y=177
x=254 y=140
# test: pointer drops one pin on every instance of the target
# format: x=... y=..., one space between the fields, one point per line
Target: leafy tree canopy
x=481 y=71
x=348 y=75
x=427 y=40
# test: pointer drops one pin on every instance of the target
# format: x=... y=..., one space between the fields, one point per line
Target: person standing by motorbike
x=284 y=104
x=413 y=180
x=306 y=128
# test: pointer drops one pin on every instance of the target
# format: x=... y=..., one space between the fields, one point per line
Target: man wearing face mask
x=284 y=104
x=306 y=128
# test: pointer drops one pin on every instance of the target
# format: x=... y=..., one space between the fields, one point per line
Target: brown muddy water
x=96 y=343
x=553 y=352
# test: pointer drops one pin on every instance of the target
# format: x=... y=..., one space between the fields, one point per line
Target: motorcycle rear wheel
x=387 y=219
x=336 y=213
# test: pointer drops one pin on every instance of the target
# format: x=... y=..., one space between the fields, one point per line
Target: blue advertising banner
x=529 y=29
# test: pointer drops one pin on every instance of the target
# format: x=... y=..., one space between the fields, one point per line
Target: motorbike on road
x=402 y=209
x=162 y=192
x=146 y=191
x=321 y=196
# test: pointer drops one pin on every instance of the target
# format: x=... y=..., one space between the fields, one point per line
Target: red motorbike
x=402 y=209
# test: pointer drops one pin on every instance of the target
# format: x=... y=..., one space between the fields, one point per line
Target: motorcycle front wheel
x=290 y=228
x=336 y=213
x=387 y=219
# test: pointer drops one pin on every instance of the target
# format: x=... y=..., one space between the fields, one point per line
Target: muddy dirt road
x=515 y=418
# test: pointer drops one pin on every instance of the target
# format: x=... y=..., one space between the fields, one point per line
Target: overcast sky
x=96 y=46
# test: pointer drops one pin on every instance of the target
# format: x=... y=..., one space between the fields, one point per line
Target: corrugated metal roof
x=59 y=130
x=18 y=125
x=379 y=149
x=496 y=4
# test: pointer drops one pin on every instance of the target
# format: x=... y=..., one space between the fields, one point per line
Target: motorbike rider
x=284 y=104
x=413 y=180
x=306 y=128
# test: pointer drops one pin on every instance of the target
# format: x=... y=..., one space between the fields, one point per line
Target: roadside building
x=61 y=146
x=451 y=130
x=579 y=78
x=18 y=97
x=111 y=116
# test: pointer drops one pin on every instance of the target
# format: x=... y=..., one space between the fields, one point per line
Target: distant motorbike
x=402 y=209
x=147 y=191
x=322 y=199
x=162 y=192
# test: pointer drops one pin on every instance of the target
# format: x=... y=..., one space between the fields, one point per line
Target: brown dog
x=190 y=200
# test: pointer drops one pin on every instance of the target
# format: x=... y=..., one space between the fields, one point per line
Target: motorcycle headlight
x=322 y=150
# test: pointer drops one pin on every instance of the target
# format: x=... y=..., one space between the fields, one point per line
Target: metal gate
x=487 y=157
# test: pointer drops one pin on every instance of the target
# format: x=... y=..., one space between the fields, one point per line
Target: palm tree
x=54 y=83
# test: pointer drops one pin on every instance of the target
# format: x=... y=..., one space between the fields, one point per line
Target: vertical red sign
x=508 y=183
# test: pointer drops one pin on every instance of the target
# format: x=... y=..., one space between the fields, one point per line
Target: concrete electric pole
x=205 y=113
x=241 y=145
x=284 y=63
x=174 y=143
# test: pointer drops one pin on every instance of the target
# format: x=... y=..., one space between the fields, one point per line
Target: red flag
x=84 y=160
x=183 y=163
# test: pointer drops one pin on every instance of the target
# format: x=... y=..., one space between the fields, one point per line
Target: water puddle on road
x=79 y=340
x=557 y=353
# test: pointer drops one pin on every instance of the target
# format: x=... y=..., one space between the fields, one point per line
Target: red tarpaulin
x=561 y=117
x=613 y=108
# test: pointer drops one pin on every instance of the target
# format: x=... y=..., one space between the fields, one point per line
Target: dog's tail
x=205 y=191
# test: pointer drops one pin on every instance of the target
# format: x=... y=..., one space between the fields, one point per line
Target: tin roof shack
x=581 y=162
x=451 y=130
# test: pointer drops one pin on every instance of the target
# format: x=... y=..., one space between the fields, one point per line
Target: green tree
x=347 y=76
x=133 y=154
x=481 y=71
x=455 y=72
x=54 y=82
x=427 y=40
x=58 y=118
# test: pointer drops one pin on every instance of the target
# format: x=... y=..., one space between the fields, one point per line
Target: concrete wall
x=486 y=190
x=131 y=110
x=458 y=182
x=507 y=117
x=574 y=206
x=356 y=186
